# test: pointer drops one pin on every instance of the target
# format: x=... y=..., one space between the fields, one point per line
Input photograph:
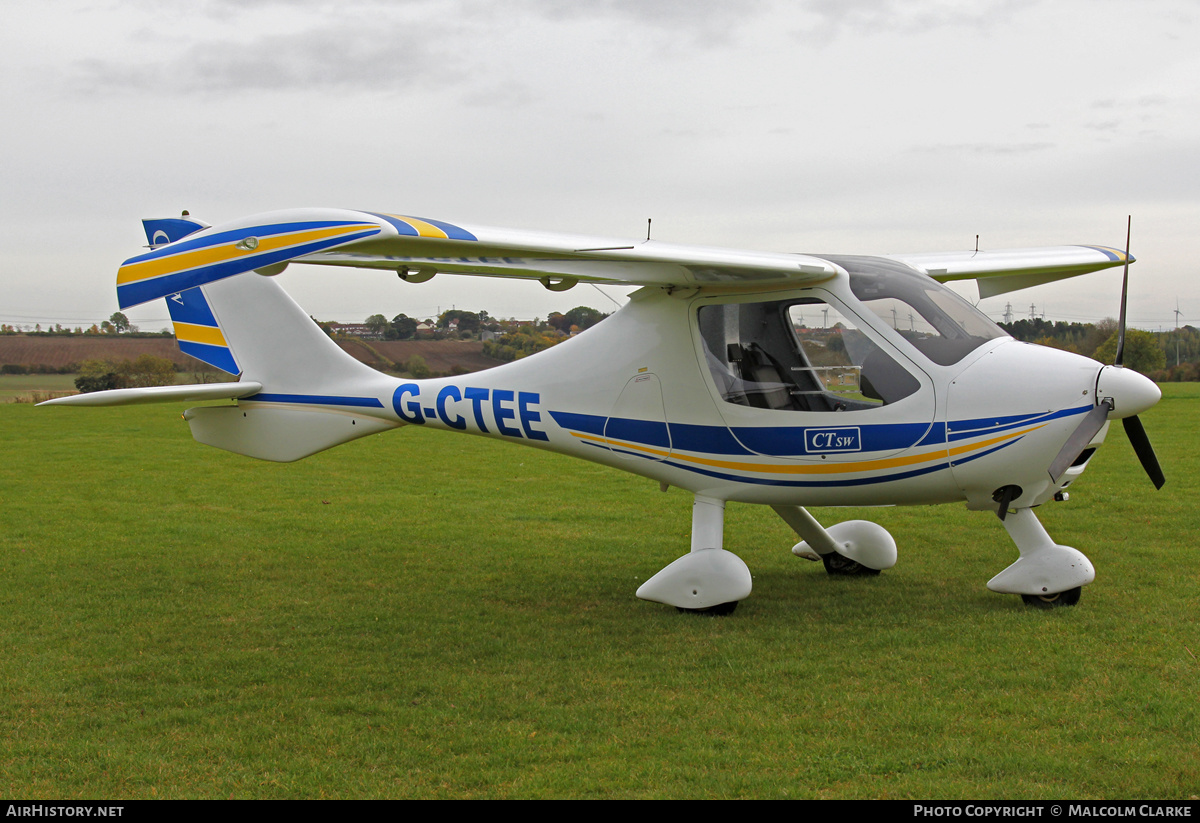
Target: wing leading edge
x=418 y=248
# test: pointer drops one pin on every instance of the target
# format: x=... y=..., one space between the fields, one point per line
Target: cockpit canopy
x=936 y=321
x=811 y=353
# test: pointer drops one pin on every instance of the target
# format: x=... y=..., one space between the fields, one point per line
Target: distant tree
x=468 y=321
x=520 y=342
x=378 y=324
x=147 y=370
x=1055 y=343
x=121 y=323
x=1096 y=335
x=97 y=375
x=102 y=382
x=1142 y=352
x=417 y=367
x=403 y=327
x=582 y=317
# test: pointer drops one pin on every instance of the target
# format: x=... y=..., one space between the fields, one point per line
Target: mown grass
x=418 y=614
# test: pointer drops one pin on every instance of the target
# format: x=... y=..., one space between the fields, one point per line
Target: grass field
x=418 y=614
x=23 y=386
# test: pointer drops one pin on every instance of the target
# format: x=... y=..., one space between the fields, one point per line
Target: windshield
x=936 y=321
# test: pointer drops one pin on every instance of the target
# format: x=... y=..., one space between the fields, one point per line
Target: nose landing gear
x=1046 y=575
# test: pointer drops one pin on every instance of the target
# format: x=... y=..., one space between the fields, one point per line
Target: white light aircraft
x=788 y=380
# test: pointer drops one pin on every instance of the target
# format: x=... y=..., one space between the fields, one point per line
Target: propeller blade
x=1119 y=360
x=1144 y=451
x=1079 y=439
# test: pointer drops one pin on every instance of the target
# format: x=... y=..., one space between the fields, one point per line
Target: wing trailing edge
x=1006 y=270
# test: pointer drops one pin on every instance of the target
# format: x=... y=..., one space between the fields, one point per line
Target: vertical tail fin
x=249 y=325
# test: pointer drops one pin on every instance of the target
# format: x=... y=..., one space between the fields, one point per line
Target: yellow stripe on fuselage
x=191 y=333
x=172 y=264
x=824 y=468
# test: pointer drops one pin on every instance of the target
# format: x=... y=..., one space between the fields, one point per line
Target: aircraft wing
x=998 y=272
x=419 y=248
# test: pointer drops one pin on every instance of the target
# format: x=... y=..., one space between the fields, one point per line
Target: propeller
x=1119 y=393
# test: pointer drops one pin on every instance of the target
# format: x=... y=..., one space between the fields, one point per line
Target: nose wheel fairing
x=1044 y=568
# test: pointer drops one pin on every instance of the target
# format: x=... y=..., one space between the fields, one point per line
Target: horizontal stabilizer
x=159 y=394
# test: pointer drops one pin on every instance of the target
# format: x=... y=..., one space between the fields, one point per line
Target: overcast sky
x=852 y=126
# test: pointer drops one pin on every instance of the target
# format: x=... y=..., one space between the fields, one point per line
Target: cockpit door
x=637 y=425
x=807 y=378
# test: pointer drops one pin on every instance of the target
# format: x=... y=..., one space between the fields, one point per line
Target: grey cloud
x=1146 y=101
x=987 y=148
x=370 y=44
x=507 y=95
x=386 y=58
x=708 y=22
x=831 y=18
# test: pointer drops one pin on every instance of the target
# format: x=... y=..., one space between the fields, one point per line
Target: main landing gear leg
x=1046 y=574
x=708 y=580
x=855 y=548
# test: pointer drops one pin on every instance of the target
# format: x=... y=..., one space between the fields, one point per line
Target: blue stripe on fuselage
x=771 y=441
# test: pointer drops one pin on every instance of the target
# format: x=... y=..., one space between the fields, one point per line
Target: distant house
x=360 y=330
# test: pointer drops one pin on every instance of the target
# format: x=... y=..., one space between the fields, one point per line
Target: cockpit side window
x=797 y=355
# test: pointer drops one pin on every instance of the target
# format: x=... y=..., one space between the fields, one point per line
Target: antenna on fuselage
x=648 y=229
